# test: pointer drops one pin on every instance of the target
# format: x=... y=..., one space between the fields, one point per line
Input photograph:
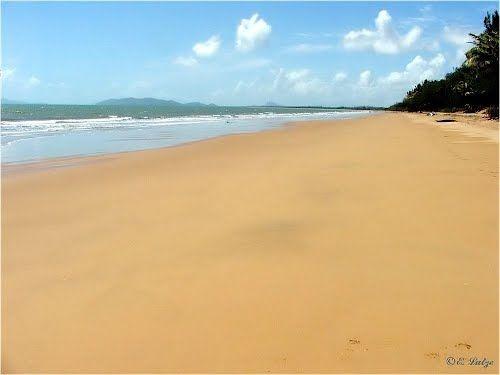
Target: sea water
x=35 y=132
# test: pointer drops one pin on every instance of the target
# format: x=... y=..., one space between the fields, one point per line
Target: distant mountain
x=271 y=104
x=151 y=102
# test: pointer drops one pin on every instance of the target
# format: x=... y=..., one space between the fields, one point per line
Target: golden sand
x=347 y=246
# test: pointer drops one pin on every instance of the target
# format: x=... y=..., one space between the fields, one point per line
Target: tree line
x=471 y=87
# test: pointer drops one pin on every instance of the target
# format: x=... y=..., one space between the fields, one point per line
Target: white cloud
x=460 y=55
x=8 y=73
x=33 y=81
x=298 y=82
x=186 y=61
x=340 y=77
x=295 y=75
x=303 y=86
x=251 y=33
x=426 y=8
x=415 y=72
x=242 y=85
x=239 y=86
x=368 y=89
x=309 y=48
x=437 y=61
x=384 y=39
x=296 y=87
x=432 y=45
x=365 y=79
x=460 y=38
x=216 y=93
x=426 y=15
x=207 y=48
x=456 y=36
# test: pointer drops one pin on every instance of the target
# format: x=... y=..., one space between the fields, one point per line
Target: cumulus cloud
x=309 y=48
x=186 y=61
x=370 y=89
x=207 y=48
x=438 y=61
x=300 y=86
x=340 y=77
x=251 y=33
x=383 y=39
x=416 y=71
x=33 y=81
x=365 y=79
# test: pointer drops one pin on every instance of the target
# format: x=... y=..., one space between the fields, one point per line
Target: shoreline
x=75 y=160
x=474 y=128
x=361 y=245
x=181 y=132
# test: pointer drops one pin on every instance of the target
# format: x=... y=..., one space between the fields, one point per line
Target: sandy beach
x=367 y=245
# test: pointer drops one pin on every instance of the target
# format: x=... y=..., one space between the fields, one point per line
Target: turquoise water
x=35 y=132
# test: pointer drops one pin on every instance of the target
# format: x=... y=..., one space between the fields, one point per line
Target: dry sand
x=348 y=246
x=471 y=124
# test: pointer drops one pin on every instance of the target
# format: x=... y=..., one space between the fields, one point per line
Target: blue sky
x=328 y=53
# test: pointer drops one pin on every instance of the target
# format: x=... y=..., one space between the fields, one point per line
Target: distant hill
x=151 y=102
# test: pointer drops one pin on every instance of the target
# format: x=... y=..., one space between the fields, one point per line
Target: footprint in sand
x=445 y=350
x=354 y=345
x=432 y=355
x=463 y=345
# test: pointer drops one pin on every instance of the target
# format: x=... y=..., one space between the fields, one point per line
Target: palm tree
x=484 y=53
x=483 y=59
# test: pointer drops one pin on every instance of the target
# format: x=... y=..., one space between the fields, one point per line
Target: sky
x=228 y=53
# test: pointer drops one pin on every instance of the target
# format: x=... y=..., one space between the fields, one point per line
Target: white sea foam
x=36 y=139
x=114 y=122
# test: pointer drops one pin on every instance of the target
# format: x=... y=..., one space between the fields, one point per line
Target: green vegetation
x=471 y=87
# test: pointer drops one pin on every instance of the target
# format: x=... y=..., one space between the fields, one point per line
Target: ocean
x=32 y=132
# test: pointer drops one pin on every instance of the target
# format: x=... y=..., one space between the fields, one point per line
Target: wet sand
x=367 y=245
